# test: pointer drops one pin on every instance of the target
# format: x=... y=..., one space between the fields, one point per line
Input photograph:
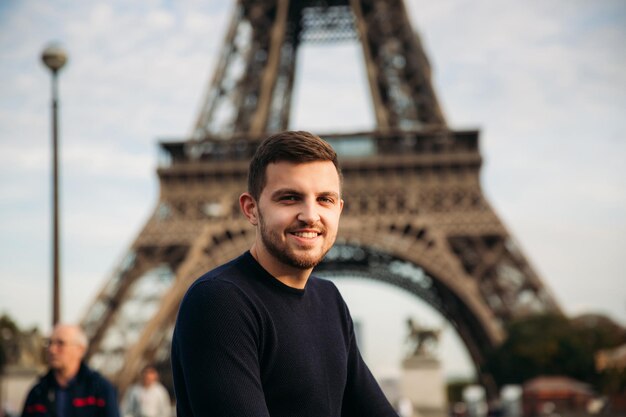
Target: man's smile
x=307 y=235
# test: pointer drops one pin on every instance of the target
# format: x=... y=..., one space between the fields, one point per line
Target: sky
x=544 y=81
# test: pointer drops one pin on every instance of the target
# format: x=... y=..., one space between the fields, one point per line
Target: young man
x=149 y=398
x=259 y=336
x=70 y=388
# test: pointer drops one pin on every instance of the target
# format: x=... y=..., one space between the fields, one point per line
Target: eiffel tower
x=414 y=216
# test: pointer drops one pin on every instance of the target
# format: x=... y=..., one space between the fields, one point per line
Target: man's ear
x=249 y=208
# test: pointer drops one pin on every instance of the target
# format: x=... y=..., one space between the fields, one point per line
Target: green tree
x=8 y=333
x=455 y=389
x=553 y=345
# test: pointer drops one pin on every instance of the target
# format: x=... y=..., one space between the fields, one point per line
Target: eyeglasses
x=58 y=343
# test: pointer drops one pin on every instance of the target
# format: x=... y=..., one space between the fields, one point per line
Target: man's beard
x=281 y=251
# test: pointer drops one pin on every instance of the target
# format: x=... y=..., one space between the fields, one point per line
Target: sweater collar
x=260 y=273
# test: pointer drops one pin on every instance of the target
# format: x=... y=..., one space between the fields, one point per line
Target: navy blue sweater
x=246 y=345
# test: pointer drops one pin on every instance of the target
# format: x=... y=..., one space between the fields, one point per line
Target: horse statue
x=421 y=340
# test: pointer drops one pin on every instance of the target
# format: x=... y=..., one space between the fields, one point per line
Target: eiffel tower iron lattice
x=415 y=216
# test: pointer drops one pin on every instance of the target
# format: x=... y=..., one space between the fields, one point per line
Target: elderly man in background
x=149 y=398
x=70 y=388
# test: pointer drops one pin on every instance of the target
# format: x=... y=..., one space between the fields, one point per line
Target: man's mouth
x=306 y=235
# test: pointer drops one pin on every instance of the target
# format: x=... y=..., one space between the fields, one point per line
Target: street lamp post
x=54 y=57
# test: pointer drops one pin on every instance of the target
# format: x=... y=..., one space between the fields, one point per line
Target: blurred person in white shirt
x=148 y=398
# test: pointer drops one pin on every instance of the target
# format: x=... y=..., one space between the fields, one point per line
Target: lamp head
x=54 y=57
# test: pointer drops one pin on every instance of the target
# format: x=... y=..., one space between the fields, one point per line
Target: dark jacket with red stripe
x=90 y=395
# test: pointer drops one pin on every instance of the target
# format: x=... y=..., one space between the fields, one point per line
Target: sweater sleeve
x=363 y=396
x=215 y=354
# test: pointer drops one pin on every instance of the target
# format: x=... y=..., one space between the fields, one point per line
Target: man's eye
x=289 y=198
x=328 y=200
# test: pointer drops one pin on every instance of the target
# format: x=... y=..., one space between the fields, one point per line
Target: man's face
x=64 y=352
x=298 y=212
x=149 y=377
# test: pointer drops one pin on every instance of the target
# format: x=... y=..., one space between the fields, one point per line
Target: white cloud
x=105 y=161
x=15 y=158
x=160 y=20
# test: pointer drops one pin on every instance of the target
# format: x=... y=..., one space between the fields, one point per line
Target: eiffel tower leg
x=217 y=93
x=380 y=109
x=256 y=99
x=270 y=73
x=398 y=71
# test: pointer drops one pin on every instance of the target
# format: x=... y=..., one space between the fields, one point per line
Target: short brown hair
x=291 y=146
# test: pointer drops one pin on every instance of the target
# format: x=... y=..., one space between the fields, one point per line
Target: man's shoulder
x=213 y=285
x=230 y=272
x=229 y=279
x=40 y=385
x=94 y=376
x=225 y=288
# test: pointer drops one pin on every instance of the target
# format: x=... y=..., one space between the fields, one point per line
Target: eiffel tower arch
x=414 y=216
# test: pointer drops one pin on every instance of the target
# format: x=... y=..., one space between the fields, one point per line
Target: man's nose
x=309 y=213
